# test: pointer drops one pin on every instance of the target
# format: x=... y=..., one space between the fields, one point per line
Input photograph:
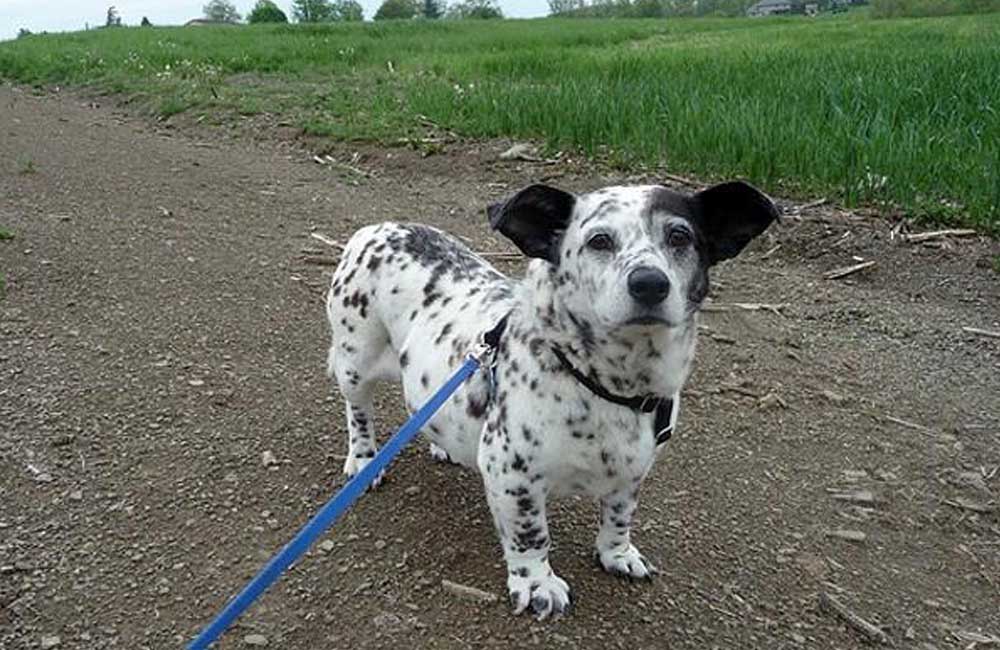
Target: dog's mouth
x=649 y=320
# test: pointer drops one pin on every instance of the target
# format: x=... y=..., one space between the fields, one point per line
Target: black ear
x=534 y=219
x=731 y=215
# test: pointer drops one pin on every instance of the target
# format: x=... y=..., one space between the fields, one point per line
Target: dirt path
x=160 y=331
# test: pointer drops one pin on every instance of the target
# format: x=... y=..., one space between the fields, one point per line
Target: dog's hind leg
x=356 y=364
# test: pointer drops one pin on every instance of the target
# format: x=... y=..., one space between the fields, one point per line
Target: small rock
x=76 y=495
x=387 y=621
x=196 y=382
x=268 y=459
x=798 y=638
x=258 y=640
x=834 y=398
x=50 y=642
x=327 y=546
x=412 y=490
x=380 y=544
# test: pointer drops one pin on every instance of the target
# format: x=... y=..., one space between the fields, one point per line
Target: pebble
x=268 y=459
x=50 y=642
x=326 y=546
x=76 y=495
x=380 y=544
x=258 y=640
x=412 y=490
x=834 y=398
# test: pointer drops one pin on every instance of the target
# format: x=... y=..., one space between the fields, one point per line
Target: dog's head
x=633 y=256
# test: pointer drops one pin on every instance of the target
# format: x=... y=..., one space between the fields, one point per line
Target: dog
x=593 y=346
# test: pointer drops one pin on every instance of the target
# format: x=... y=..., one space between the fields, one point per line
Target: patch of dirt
x=161 y=329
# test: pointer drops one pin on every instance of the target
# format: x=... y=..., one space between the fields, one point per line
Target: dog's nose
x=648 y=285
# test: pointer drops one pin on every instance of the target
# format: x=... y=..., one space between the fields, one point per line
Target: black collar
x=663 y=406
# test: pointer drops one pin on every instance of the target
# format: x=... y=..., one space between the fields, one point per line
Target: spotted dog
x=597 y=340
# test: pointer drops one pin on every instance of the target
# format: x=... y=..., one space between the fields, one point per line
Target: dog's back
x=407 y=303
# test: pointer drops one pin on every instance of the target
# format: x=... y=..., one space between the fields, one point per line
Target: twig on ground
x=976 y=639
x=975 y=330
x=871 y=631
x=774 y=308
x=771 y=251
x=983 y=571
x=963 y=503
x=848 y=270
x=351 y=168
x=321 y=260
x=326 y=240
x=853 y=496
x=469 y=592
x=808 y=206
x=499 y=255
x=938 y=234
x=682 y=180
x=855 y=536
x=906 y=423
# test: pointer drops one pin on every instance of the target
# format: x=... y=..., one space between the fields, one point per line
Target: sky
x=70 y=15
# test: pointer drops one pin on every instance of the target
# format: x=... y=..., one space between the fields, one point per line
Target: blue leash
x=332 y=511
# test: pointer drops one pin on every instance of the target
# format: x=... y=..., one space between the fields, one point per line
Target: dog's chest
x=582 y=444
x=619 y=454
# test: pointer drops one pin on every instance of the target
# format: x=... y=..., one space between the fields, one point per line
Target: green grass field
x=901 y=113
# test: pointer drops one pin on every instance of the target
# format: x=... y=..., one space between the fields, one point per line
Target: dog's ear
x=534 y=219
x=731 y=215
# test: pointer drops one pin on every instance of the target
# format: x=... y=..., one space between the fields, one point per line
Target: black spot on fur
x=404 y=359
x=476 y=408
x=445 y=331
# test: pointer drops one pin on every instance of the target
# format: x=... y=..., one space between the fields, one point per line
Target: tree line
x=326 y=11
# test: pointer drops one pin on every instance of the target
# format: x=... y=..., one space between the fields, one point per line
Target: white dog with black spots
x=597 y=342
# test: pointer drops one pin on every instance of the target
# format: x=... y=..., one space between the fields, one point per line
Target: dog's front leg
x=615 y=551
x=518 y=507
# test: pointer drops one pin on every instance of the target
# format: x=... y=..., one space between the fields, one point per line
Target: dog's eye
x=679 y=238
x=601 y=242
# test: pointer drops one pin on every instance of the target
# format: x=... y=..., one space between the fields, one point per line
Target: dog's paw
x=545 y=596
x=354 y=465
x=627 y=562
x=439 y=454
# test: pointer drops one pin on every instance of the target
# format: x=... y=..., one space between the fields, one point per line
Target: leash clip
x=484 y=354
